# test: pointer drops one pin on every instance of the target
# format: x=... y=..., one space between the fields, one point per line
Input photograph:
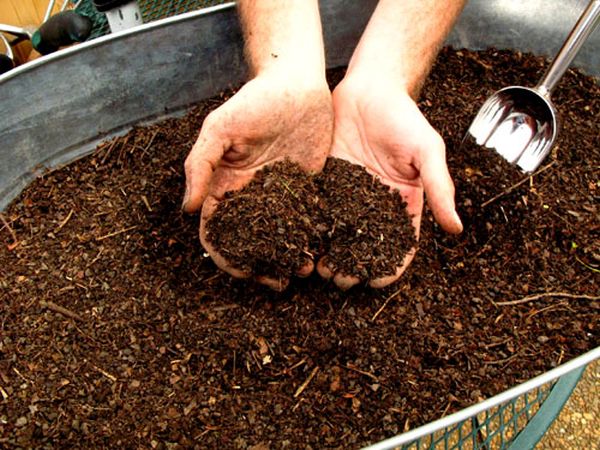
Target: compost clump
x=285 y=218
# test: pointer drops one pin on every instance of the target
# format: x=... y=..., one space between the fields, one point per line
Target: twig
x=4 y=393
x=587 y=266
x=287 y=186
x=145 y=149
x=531 y=298
x=298 y=364
x=60 y=309
x=115 y=233
x=105 y=373
x=96 y=258
x=112 y=145
x=502 y=361
x=64 y=222
x=362 y=372
x=147 y=203
x=387 y=300
x=11 y=231
x=516 y=185
x=224 y=307
x=305 y=384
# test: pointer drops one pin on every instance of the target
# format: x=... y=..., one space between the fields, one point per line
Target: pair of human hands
x=375 y=125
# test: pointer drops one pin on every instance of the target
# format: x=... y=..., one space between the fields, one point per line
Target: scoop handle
x=586 y=24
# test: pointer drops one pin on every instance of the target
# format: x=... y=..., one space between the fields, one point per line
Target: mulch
x=117 y=330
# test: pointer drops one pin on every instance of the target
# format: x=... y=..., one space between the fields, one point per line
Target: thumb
x=439 y=187
x=200 y=165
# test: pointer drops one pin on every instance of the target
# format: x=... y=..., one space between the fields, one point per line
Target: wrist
x=369 y=81
x=293 y=76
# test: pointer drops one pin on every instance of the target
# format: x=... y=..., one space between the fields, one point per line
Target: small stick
x=145 y=149
x=96 y=258
x=305 y=384
x=60 y=309
x=298 y=364
x=531 y=298
x=11 y=231
x=224 y=307
x=362 y=372
x=4 y=393
x=105 y=373
x=387 y=300
x=113 y=143
x=147 y=203
x=116 y=233
x=287 y=186
x=516 y=185
x=64 y=222
x=593 y=269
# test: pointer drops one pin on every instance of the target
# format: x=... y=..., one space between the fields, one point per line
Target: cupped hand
x=379 y=126
x=271 y=117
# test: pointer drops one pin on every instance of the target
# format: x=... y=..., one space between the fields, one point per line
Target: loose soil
x=117 y=332
x=290 y=218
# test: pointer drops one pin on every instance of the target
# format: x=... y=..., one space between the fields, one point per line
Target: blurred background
x=29 y=15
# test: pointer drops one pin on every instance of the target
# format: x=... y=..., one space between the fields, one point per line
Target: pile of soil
x=117 y=332
x=269 y=226
x=285 y=218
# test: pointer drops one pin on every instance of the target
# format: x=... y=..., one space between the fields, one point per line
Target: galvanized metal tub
x=58 y=108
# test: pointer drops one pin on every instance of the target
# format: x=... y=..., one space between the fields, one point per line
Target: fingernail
x=458 y=222
x=186 y=198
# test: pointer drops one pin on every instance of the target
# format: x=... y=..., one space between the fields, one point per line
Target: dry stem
x=531 y=298
x=60 y=309
x=306 y=383
x=516 y=185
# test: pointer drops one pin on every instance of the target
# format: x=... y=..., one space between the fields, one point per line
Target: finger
x=200 y=164
x=323 y=269
x=278 y=285
x=439 y=188
x=345 y=282
x=381 y=282
x=306 y=269
x=208 y=208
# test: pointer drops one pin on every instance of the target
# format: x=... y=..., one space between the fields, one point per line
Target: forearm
x=403 y=38
x=283 y=35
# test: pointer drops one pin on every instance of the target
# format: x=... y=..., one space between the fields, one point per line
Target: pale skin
x=377 y=122
x=287 y=109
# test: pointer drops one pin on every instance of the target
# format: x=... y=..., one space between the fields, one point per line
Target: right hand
x=379 y=126
x=272 y=117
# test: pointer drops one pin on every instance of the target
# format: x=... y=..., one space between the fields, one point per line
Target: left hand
x=379 y=126
x=270 y=118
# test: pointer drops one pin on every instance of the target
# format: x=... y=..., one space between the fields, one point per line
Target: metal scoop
x=520 y=123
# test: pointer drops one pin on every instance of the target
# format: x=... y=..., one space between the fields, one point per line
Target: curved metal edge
x=82 y=47
x=471 y=411
x=548 y=412
x=74 y=153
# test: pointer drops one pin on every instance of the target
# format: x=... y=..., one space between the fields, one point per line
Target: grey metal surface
x=537 y=26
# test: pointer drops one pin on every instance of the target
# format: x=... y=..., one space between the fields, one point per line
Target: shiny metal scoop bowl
x=521 y=123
